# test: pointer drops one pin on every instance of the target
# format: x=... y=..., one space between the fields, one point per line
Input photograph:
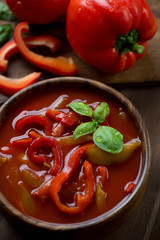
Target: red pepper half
x=39 y=159
x=9 y=86
x=82 y=201
x=33 y=120
x=58 y=65
x=10 y=48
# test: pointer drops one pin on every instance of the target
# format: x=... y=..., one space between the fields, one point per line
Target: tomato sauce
x=21 y=177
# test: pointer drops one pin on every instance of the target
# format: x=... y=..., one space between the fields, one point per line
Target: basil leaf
x=6 y=13
x=81 y=108
x=84 y=128
x=101 y=112
x=108 y=139
x=6 y=32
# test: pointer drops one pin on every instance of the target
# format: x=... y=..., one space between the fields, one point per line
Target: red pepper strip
x=22 y=143
x=32 y=120
x=65 y=119
x=39 y=159
x=103 y=173
x=10 y=48
x=34 y=134
x=57 y=130
x=81 y=200
x=59 y=65
x=10 y=86
x=129 y=188
x=43 y=191
x=72 y=160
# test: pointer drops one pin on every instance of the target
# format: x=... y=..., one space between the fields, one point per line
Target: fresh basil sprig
x=6 y=32
x=105 y=137
x=6 y=13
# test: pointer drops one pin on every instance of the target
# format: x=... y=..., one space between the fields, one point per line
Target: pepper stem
x=137 y=48
x=128 y=42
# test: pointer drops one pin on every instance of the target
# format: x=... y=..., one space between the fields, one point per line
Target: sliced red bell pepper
x=39 y=159
x=22 y=143
x=73 y=158
x=71 y=162
x=65 y=119
x=103 y=174
x=58 y=65
x=10 y=86
x=57 y=130
x=129 y=187
x=10 y=48
x=34 y=134
x=42 y=192
x=82 y=201
x=32 y=120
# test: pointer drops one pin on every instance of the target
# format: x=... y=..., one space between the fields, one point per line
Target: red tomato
x=38 y=11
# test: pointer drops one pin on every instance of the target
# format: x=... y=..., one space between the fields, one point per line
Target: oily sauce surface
x=14 y=186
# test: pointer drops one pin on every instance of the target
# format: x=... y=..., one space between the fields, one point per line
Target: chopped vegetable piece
x=81 y=200
x=40 y=159
x=101 y=196
x=30 y=177
x=22 y=143
x=58 y=65
x=27 y=121
x=129 y=187
x=26 y=201
x=43 y=191
x=69 y=141
x=98 y=156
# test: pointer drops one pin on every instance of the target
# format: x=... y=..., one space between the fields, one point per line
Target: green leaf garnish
x=106 y=138
x=6 y=13
x=84 y=128
x=6 y=32
x=81 y=108
x=101 y=112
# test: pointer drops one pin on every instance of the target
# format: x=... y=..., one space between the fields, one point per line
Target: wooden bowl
x=105 y=222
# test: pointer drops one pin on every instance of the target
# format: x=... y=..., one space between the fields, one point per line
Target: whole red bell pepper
x=57 y=65
x=38 y=11
x=10 y=48
x=110 y=34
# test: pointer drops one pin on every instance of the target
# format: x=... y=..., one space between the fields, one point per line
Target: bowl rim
x=118 y=209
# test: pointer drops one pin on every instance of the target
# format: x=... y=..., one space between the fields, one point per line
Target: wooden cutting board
x=145 y=71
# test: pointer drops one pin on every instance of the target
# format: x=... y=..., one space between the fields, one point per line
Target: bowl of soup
x=74 y=157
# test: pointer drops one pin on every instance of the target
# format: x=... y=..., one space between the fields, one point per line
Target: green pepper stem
x=129 y=42
x=138 y=49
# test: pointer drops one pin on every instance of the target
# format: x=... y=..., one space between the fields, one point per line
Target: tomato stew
x=48 y=175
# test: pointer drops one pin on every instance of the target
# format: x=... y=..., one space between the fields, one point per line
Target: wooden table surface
x=141 y=85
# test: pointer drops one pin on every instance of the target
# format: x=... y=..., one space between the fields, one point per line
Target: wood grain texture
x=144 y=224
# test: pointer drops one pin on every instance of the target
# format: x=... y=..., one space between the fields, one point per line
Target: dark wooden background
x=141 y=84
